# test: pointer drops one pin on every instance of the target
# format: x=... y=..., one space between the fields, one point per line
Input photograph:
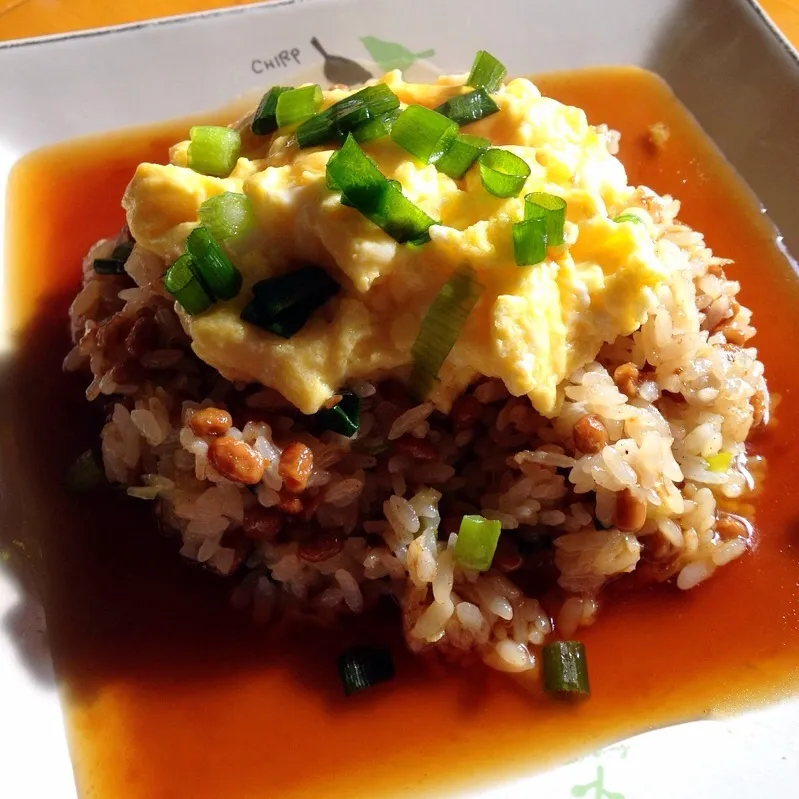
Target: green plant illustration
x=390 y=55
x=596 y=789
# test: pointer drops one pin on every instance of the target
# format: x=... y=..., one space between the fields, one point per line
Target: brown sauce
x=170 y=693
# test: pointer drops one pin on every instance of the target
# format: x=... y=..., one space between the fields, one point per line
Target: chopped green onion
x=486 y=72
x=462 y=153
x=503 y=173
x=212 y=265
x=334 y=123
x=477 y=542
x=227 y=215
x=363 y=667
x=381 y=201
x=283 y=304
x=529 y=241
x=213 y=150
x=297 y=105
x=351 y=171
x=565 y=668
x=424 y=133
x=115 y=265
x=628 y=217
x=265 y=119
x=399 y=217
x=466 y=108
x=540 y=205
x=720 y=462
x=375 y=128
x=344 y=417
x=183 y=283
x=108 y=266
x=441 y=327
x=85 y=474
x=123 y=250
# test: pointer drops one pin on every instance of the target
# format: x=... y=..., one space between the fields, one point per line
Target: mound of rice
x=628 y=478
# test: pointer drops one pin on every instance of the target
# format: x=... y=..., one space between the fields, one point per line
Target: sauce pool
x=170 y=693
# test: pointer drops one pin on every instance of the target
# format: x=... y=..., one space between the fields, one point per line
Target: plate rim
x=176 y=19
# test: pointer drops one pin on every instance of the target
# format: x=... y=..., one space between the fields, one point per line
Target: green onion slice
x=297 y=105
x=503 y=173
x=362 y=667
x=487 y=72
x=565 y=668
x=462 y=153
x=183 y=283
x=108 y=266
x=441 y=327
x=466 y=108
x=477 y=542
x=551 y=208
x=283 y=304
x=628 y=217
x=213 y=150
x=212 y=265
x=265 y=119
x=381 y=201
x=227 y=215
x=529 y=241
x=424 y=133
x=115 y=264
x=375 y=128
x=351 y=171
x=334 y=123
x=344 y=417
x=85 y=474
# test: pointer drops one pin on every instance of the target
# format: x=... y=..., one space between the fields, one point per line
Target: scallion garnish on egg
x=183 y=283
x=284 y=303
x=424 y=133
x=227 y=215
x=334 y=123
x=213 y=150
x=264 y=120
x=375 y=128
x=212 y=265
x=550 y=208
x=487 y=72
x=462 y=153
x=529 y=241
x=503 y=173
x=297 y=105
x=380 y=200
x=466 y=108
x=441 y=327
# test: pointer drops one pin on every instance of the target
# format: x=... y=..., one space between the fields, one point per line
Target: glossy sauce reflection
x=172 y=694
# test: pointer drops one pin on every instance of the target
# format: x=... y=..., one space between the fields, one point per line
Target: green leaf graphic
x=597 y=788
x=390 y=55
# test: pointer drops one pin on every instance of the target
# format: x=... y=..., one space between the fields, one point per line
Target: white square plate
x=723 y=60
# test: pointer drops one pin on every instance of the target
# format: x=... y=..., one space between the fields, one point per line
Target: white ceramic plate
x=722 y=58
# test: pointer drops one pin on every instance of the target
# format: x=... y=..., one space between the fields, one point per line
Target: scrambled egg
x=532 y=325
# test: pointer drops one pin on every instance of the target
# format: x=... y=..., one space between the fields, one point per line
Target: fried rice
x=634 y=475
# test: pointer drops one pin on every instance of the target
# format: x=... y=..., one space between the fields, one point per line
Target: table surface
x=22 y=18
